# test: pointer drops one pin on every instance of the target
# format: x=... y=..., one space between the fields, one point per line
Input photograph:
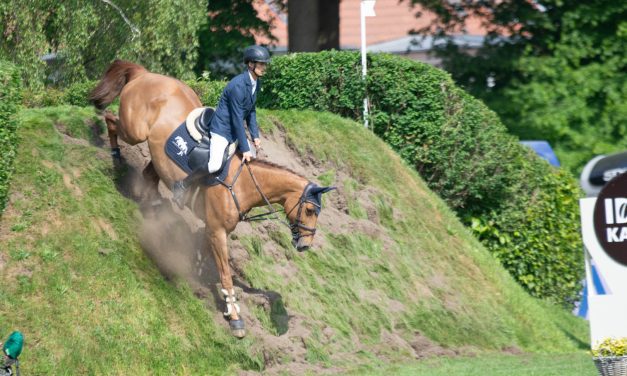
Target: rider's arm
x=251 y=120
x=236 y=112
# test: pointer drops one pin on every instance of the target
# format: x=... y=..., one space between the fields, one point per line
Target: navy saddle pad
x=179 y=146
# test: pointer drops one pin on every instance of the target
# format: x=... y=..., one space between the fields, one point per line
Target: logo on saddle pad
x=181 y=144
x=610 y=219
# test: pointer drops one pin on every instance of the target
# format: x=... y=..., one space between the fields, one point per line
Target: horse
x=151 y=107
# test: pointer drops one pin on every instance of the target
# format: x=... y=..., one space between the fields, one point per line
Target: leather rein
x=272 y=212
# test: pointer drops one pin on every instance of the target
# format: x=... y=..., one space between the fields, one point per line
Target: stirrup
x=178 y=193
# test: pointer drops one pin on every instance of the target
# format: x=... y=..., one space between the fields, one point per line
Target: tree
x=229 y=27
x=552 y=69
x=329 y=25
x=233 y=25
x=313 y=25
x=83 y=37
x=577 y=95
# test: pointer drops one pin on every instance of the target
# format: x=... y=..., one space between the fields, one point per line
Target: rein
x=244 y=217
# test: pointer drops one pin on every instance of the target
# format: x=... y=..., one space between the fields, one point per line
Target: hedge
x=462 y=150
x=10 y=99
x=536 y=233
x=208 y=91
x=77 y=94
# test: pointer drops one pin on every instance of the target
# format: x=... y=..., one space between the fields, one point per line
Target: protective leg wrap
x=231 y=302
x=116 y=154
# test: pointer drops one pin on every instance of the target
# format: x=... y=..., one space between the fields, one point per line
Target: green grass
x=449 y=287
x=577 y=364
x=77 y=283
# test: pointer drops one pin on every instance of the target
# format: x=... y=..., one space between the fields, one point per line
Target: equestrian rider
x=237 y=103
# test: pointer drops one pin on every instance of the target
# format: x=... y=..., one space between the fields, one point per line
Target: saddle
x=188 y=146
x=198 y=121
x=197 y=124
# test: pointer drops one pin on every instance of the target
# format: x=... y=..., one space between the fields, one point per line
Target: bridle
x=296 y=226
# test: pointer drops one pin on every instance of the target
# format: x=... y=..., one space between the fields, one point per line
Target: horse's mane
x=273 y=165
x=118 y=74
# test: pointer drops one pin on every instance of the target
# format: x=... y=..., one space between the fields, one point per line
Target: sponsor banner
x=610 y=219
x=604 y=232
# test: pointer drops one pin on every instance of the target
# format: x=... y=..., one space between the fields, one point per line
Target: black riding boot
x=198 y=162
x=180 y=187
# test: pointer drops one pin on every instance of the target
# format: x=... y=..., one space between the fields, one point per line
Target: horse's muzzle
x=301 y=245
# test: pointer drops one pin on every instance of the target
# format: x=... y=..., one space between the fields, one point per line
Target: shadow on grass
x=582 y=345
x=279 y=318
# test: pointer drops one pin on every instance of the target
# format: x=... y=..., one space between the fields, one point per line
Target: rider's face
x=258 y=68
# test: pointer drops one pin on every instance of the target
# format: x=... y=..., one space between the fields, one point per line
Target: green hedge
x=460 y=148
x=77 y=94
x=208 y=91
x=536 y=233
x=452 y=139
x=10 y=99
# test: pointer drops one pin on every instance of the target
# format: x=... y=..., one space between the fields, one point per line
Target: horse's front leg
x=218 y=242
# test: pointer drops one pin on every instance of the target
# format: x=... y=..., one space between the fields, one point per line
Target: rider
x=236 y=104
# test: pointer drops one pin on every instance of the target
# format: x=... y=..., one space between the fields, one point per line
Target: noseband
x=298 y=225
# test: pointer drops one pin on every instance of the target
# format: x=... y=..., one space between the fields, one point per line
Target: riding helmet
x=256 y=54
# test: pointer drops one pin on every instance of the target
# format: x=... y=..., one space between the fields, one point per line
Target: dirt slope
x=171 y=229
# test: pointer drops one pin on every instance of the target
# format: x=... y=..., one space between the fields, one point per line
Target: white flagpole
x=367 y=10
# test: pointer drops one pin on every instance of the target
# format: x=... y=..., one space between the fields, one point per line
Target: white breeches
x=216 y=152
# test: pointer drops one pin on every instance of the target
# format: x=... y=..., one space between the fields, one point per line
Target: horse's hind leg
x=112 y=122
x=151 y=198
x=217 y=240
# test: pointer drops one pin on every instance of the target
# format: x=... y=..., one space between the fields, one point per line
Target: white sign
x=367 y=8
x=607 y=312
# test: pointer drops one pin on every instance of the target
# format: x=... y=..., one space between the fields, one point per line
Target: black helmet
x=256 y=54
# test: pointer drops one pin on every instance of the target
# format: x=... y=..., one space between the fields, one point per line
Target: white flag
x=367 y=8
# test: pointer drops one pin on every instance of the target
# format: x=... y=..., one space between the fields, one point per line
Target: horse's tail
x=119 y=74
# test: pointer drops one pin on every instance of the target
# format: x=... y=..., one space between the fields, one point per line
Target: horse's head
x=304 y=216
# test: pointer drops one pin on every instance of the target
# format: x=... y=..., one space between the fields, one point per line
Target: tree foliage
x=85 y=36
x=10 y=98
x=231 y=26
x=314 y=26
x=556 y=68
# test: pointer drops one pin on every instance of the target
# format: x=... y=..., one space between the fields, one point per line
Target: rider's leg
x=216 y=155
x=216 y=152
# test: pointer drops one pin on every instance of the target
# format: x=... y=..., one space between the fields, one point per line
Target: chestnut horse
x=152 y=106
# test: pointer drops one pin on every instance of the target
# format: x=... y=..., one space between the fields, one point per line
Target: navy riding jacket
x=237 y=104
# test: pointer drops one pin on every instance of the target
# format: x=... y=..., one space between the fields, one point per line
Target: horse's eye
x=309 y=212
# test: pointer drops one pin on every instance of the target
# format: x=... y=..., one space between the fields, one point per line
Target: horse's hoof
x=238 y=328
x=239 y=333
x=116 y=156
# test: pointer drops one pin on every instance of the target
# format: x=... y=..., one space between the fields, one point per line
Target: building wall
x=393 y=21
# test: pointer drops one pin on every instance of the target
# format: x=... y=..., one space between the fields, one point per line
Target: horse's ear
x=321 y=190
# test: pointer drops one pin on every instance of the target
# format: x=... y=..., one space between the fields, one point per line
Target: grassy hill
x=395 y=277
